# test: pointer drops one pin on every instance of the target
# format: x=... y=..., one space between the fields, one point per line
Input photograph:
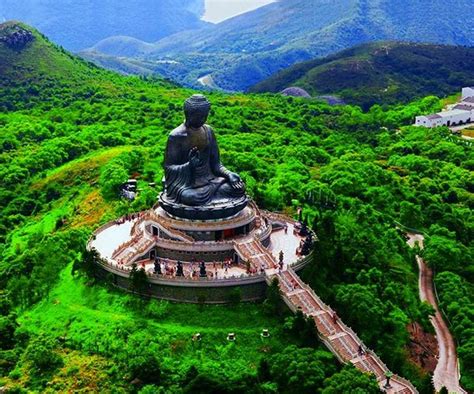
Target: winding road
x=447 y=370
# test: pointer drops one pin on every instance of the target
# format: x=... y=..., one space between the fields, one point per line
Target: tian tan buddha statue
x=196 y=184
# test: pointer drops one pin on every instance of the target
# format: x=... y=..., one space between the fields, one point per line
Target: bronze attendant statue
x=197 y=185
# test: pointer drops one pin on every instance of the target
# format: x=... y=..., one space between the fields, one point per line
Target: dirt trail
x=447 y=370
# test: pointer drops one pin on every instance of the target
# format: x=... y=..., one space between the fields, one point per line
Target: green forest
x=71 y=134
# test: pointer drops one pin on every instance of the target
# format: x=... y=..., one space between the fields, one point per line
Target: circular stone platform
x=239 y=251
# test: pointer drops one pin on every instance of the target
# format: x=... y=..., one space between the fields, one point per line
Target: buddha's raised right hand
x=194 y=157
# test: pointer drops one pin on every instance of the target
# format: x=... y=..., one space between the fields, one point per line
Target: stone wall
x=188 y=256
x=194 y=291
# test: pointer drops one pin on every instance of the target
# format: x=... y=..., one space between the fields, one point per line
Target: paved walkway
x=286 y=241
x=447 y=370
x=339 y=338
x=106 y=242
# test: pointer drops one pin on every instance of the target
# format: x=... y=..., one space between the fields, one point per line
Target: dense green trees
x=349 y=380
x=299 y=369
x=41 y=356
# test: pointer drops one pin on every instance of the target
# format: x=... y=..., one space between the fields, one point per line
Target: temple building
x=456 y=115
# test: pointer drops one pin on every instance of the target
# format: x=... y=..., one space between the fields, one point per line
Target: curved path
x=447 y=370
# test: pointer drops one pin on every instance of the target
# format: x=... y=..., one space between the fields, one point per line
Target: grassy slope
x=43 y=60
x=73 y=309
x=380 y=73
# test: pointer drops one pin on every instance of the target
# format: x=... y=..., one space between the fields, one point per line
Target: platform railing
x=167 y=280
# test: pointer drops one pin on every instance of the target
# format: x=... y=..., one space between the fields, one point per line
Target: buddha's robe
x=208 y=181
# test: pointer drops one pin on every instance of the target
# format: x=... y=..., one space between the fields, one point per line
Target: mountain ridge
x=384 y=72
x=248 y=48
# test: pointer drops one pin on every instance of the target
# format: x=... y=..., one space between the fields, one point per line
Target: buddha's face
x=196 y=119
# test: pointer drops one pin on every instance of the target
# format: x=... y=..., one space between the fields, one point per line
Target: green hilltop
x=380 y=73
x=36 y=59
x=70 y=133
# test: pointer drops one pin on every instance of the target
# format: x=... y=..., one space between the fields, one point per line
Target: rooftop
x=463 y=107
x=433 y=116
x=453 y=112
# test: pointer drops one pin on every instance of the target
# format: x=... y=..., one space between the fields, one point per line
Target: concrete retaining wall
x=194 y=291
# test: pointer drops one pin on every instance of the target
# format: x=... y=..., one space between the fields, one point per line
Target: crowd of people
x=192 y=270
x=128 y=217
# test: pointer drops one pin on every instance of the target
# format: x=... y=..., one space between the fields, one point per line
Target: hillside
x=382 y=73
x=42 y=69
x=81 y=131
x=76 y=25
x=249 y=48
x=37 y=59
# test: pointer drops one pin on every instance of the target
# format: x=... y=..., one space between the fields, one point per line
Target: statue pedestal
x=176 y=253
x=213 y=211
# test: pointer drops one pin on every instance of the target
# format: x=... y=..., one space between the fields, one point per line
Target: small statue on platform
x=281 y=257
x=179 y=269
x=202 y=270
x=157 y=266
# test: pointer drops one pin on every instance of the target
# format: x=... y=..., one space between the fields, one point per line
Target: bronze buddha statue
x=194 y=174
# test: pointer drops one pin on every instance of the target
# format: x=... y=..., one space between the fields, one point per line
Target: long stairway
x=339 y=338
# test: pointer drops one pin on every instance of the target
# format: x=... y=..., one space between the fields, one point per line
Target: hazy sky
x=219 y=10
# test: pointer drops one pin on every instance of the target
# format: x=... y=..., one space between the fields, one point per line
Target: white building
x=447 y=118
x=467 y=92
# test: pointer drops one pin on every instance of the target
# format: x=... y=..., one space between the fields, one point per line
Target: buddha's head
x=196 y=110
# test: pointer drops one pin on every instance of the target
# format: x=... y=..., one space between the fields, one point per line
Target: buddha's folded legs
x=226 y=191
x=197 y=196
x=217 y=189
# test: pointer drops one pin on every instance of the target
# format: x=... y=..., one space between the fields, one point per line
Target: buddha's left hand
x=235 y=181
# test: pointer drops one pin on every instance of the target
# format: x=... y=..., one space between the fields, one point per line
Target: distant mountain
x=122 y=46
x=386 y=72
x=79 y=24
x=244 y=50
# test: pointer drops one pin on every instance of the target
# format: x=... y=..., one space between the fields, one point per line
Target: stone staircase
x=338 y=337
x=255 y=253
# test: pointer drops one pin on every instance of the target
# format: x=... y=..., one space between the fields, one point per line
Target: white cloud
x=219 y=10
